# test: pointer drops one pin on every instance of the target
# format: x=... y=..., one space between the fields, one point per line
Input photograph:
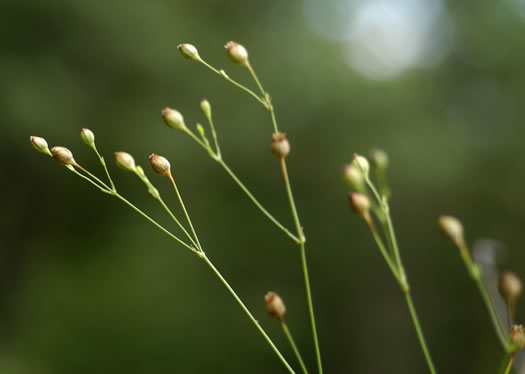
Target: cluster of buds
x=355 y=175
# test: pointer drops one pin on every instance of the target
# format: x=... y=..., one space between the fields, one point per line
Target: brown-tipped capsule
x=40 y=144
x=509 y=286
x=125 y=161
x=173 y=119
x=160 y=165
x=189 y=51
x=452 y=229
x=63 y=155
x=359 y=203
x=87 y=137
x=280 y=145
x=378 y=158
x=275 y=305
x=517 y=337
x=353 y=177
x=237 y=53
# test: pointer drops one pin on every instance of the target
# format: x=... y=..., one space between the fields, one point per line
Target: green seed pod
x=237 y=53
x=88 y=137
x=189 y=51
x=125 y=161
x=275 y=305
x=40 y=144
x=160 y=165
x=206 y=108
x=63 y=155
x=361 y=163
x=353 y=177
x=379 y=158
x=173 y=119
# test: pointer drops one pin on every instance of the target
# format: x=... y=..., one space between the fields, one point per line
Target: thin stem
x=247 y=311
x=215 y=139
x=384 y=252
x=92 y=176
x=393 y=240
x=177 y=221
x=103 y=162
x=294 y=347
x=291 y=200
x=89 y=180
x=500 y=330
x=310 y=307
x=153 y=221
x=225 y=76
x=185 y=211
x=256 y=202
x=419 y=331
x=506 y=364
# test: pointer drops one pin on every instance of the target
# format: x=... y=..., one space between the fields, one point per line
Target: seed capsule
x=237 y=53
x=189 y=51
x=63 y=155
x=160 y=165
x=40 y=144
x=452 y=228
x=125 y=161
x=275 y=305
x=88 y=137
x=280 y=145
x=173 y=119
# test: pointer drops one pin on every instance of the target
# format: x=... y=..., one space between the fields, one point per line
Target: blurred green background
x=88 y=286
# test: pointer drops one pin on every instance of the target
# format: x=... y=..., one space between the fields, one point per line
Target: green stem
x=294 y=347
x=103 y=162
x=89 y=180
x=185 y=212
x=498 y=326
x=506 y=364
x=385 y=254
x=419 y=331
x=215 y=139
x=92 y=176
x=177 y=221
x=256 y=202
x=246 y=310
x=225 y=76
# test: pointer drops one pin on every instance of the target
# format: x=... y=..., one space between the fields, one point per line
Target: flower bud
x=88 y=137
x=509 y=286
x=378 y=158
x=206 y=108
x=63 y=155
x=237 y=53
x=359 y=203
x=125 y=161
x=160 y=164
x=517 y=337
x=280 y=145
x=189 y=52
x=452 y=228
x=353 y=177
x=275 y=305
x=361 y=163
x=173 y=119
x=40 y=144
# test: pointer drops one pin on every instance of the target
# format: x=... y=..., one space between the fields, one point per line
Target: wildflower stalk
x=506 y=364
x=294 y=346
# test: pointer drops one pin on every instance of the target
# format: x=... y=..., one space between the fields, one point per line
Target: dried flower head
x=280 y=145
x=40 y=144
x=63 y=155
x=125 y=161
x=160 y=165
x=275 y=305
x=237 y=53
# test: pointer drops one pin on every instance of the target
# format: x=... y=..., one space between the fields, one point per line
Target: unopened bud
x=206 y=108
x=353 y=177
x=452 y=228
x=40 y=144
x=173 y=119
x=361 y=163
x=517 y=337
x=379 y=158
x=280 y=145
x=275 y=305
x=509 y=286
x=88 y=137
x=125 y=161
x=189 y=51
x=359 y=204
x=237 y=53
x=63 y=155
x=160 y=165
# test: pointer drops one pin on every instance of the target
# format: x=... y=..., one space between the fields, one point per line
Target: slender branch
x=384 y=252
x=294 y=347
x=247 y=311
x=506 y=364
x=103 y=162
x=177 y=222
